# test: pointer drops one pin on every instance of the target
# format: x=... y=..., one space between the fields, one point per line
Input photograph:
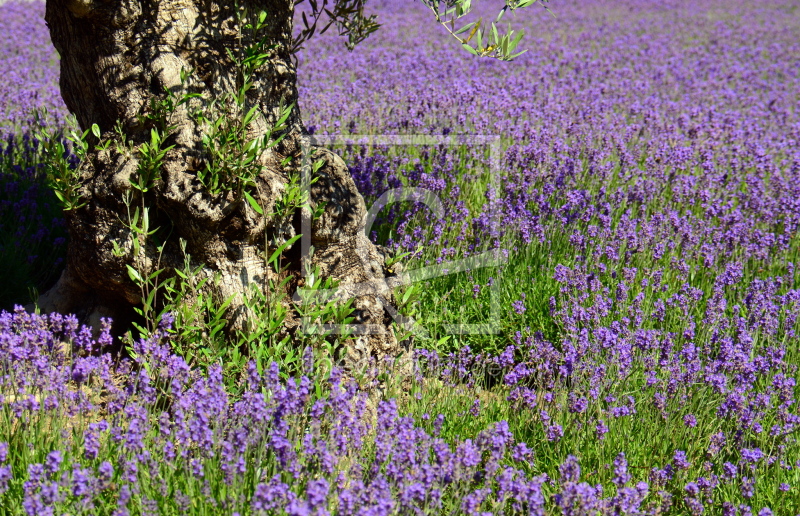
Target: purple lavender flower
x=521 y=452
x=5 y=477
x=680 y=460
x=519 y=305
x=578 y=404
x=82 y=482
x=53 y=462
x=476 y=408
x=729 y=471
x=748 y=487
x=555 y=433
x=751 y=455
x=601 y=430
x=105 y=472
x=438 y=422
x=621 y=476
x=570 y=470
x=695 y=505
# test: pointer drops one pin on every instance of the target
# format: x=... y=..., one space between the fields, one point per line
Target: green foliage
x=200 y=319
x=347 y=15
x=481 y=40
x=232 y=157
x=63 y=175
x=151 y=156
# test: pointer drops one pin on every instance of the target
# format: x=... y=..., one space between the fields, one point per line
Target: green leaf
x=96 y=130
x=463 y=29
x=280 y=249
x=253 y=203
x=231 y=55
x=474 y=30
x=277 y=140
x=134 y=274
x=140 y=329
x=249 y=116
x=285 y=115
x=224 y=306
x=186 y=98
x=515 y=41
x=470 y=49
x=502 y=12
x=150 y=297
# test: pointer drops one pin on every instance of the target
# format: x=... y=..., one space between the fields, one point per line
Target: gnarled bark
x=117 y=56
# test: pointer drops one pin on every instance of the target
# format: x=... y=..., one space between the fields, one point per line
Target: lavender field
x=647 y=208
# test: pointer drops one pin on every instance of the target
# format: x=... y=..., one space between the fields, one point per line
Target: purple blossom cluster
x=630 y=137
x=658 y=144
x=174 y=433
x=616 y=358
x=32 y=229
x=29 y=67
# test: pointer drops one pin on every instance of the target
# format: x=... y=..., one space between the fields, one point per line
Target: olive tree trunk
x=117 y=57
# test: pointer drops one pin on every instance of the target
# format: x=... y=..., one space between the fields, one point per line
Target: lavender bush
x=31 y=225
x=32 y=232
x=647 y=358
x=29 y=67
